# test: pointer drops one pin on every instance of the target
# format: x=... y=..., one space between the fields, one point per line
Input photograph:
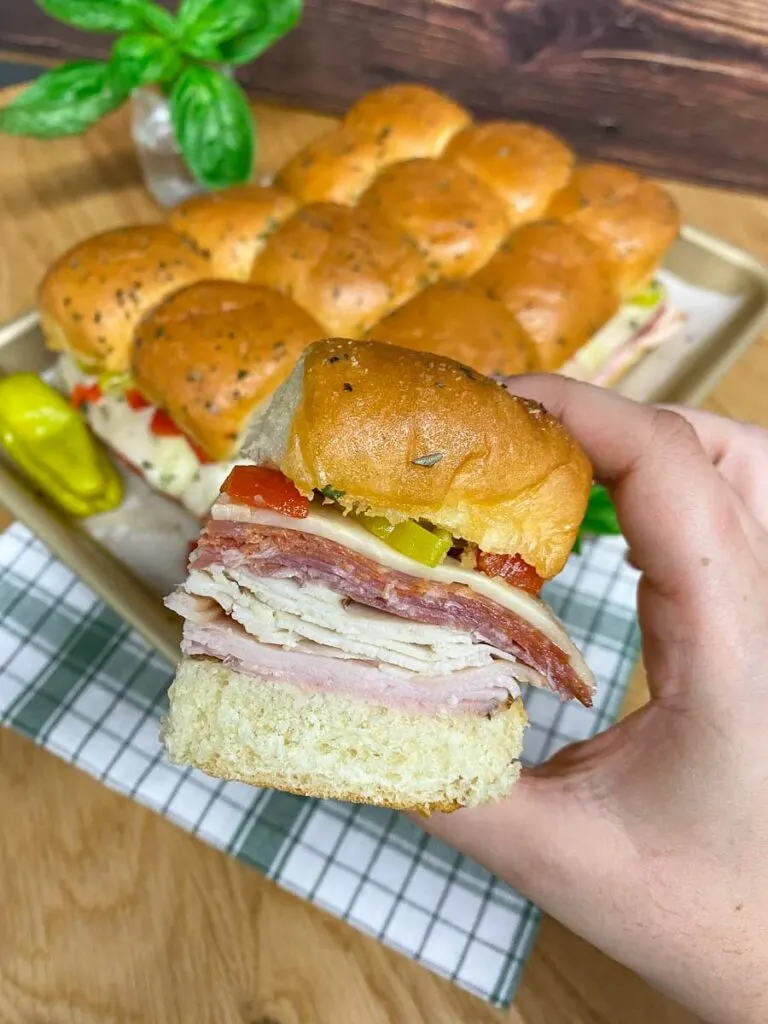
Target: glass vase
x=166 y=174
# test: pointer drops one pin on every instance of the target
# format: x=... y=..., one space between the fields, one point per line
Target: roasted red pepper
x=261 y=487
x=136 y=400
x=203 y=457
x=83 y=394
x=512 y=569
x=162 y=425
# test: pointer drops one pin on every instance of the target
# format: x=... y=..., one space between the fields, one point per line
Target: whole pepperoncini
x=50 y=442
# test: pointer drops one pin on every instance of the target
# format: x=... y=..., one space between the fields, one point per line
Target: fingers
x=615 y=432
x=717 y=434
x=740 y=453
x=663 y=483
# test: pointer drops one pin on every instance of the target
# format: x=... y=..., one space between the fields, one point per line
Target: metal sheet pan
x=722 y=290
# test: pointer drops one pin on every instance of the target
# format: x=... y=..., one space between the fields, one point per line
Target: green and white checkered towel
x=77 y=680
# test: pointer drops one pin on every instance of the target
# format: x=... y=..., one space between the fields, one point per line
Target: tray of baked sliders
x=410 y=223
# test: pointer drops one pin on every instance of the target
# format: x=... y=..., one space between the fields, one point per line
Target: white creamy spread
x=169 y=464
x=206 y=484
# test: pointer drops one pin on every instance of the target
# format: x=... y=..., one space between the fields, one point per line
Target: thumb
x=665 y=487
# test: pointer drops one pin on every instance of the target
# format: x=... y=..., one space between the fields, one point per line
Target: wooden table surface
x=112 y=914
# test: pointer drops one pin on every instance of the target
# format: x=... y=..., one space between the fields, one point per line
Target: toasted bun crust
x=557 y=283
x=523 y=163
x=460 y=320
x=455 y=219
x=336 y=168
x=92 y=297
x=356 y=416
x=406 y=121
x=232 y=225
x=347 y=267
x=233 y=726
x=392 y=124
x=632 y=219
x=212 y=352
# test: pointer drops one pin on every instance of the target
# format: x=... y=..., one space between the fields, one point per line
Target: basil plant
x=181 y=54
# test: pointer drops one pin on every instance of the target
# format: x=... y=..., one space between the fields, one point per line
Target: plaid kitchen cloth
x=78 y=681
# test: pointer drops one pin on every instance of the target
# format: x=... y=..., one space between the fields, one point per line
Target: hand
x=651 y=840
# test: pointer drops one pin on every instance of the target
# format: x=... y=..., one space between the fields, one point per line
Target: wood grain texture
x=678 y=87
x=110 y=914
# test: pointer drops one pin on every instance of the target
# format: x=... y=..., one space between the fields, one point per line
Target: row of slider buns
x=488 y=243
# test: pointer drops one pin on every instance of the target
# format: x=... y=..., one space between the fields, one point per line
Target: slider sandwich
x=201 y=363
x=551 y=262
x=633 y=221
x=410 y=224
x=361 y=611
x=92 y=296
x=385 y=127
x=231 y=225
x=548 y=299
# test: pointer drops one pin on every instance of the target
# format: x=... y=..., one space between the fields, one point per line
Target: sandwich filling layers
x=640 y=326
x=145 y=438
x=321 y=603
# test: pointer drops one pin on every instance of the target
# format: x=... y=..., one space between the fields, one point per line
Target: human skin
x=651 y=840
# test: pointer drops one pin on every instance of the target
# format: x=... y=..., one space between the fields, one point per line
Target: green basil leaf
x=600 y=518
x=141 y=58
x=214 y=126
x=157 y=18
x=107 y=15
x=331 y=492
x=201 y=49
x=601 y=513
x=204 y=24
x=64 y=101
x=277 y=17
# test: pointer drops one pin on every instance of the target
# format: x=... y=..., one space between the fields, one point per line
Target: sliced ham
x=285 y=613
x=208 y=632
x=665 y=324
x=267 y=551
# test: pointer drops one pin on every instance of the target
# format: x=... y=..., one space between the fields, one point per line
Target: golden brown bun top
x=523 y=163
x=557 y=283
x=460 y=320
x=335 y=168
x=407 y=121
x=347 y=267
x=408 y=435
x=210 y=353
x=456 y=220
x=389 y=125
x=92 y=297
x=232 y=225
x=632 y=219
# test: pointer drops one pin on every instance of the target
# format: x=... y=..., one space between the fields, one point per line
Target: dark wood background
x=677 y=87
